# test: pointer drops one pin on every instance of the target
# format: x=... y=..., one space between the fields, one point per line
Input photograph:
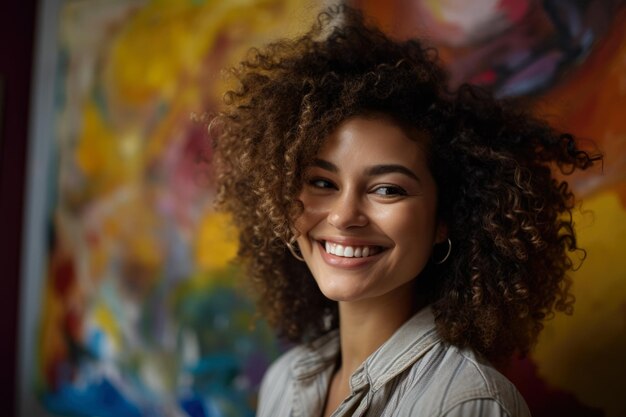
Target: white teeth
x=350 y=251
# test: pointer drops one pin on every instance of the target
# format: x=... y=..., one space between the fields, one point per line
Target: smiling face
x=369 y=220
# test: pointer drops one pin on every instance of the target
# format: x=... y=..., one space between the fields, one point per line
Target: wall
x=17 y=21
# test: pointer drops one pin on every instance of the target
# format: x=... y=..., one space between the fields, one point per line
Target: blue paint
x=194 y=406
x=100 y=399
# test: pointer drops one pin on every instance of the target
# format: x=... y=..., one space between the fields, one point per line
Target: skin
x=370 y=186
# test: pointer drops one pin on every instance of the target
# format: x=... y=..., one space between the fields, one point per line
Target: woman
x=404 y=236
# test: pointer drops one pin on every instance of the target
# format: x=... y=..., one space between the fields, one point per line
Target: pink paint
x=514 y=10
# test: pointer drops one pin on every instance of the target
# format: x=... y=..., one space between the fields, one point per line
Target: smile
x=348 y=251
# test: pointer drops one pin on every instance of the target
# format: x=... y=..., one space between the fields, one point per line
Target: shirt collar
x=317 y=356
x=409 y=343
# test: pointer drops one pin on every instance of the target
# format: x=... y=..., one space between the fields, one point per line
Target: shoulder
x=304 y=359
x=275 y=386
x=304 y=362
x=460 y=383
x=478 y=385
x=278 y=374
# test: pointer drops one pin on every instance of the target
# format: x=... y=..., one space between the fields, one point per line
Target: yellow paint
x=586 y=353
x=107 y=157
x=94 y=142
x=154 y=50
x=166 y=54
x=105 y=319
x=164 y=45
x=216 y=242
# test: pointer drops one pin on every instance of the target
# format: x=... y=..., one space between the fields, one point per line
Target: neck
x=365 y=325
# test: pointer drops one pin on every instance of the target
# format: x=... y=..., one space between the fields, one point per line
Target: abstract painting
x=143 y=314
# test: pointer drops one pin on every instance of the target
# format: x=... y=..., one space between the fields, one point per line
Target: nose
x=346 y=212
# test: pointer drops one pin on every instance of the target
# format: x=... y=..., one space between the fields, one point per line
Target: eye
x=389 y=191
x=320 y=183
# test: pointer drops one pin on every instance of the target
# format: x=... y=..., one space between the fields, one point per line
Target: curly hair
x=507 y=214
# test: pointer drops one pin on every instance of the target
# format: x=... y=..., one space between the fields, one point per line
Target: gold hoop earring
x=445 y=258
x=295 y=251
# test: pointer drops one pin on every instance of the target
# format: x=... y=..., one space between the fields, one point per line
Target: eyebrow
x=328 y=166
x=371 y=171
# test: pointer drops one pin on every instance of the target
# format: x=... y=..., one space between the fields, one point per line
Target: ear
x=441 y=233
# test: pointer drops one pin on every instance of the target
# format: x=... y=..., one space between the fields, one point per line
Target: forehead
x=375 y=137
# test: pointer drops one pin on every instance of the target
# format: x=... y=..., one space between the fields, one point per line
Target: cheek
x=413 y=227
x=312 y=214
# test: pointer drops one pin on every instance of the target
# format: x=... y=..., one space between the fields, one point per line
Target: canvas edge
x=40 y=145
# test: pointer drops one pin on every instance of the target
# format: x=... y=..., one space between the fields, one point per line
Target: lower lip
x=347 y=263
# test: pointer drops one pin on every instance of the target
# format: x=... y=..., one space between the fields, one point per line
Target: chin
x=340 y=297
x=342 y=294
x=336 y=294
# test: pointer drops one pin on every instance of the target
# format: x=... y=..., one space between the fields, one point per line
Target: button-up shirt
x=414 y=373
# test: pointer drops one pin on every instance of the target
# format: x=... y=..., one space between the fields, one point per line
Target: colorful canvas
x=143 y=314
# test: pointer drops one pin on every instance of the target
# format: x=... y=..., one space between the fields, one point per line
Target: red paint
x=63 y=276
x=484 y=78
x=543 y=400
x=515 y=10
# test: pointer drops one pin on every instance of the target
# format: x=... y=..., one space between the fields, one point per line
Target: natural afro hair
x=508 y=216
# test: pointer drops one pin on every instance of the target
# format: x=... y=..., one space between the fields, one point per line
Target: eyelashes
x=383 y=190
x=389 y=191
x=321 y=183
